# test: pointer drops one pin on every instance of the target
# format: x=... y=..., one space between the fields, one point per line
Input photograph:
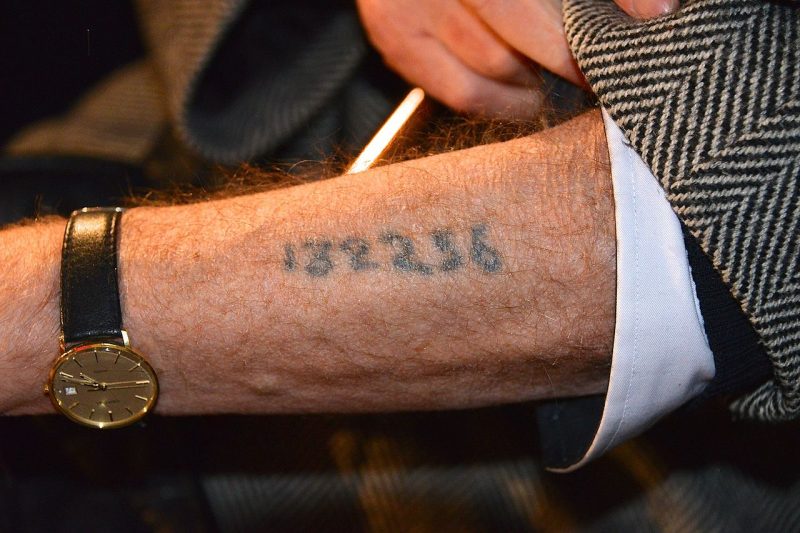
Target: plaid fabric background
x=468 y=471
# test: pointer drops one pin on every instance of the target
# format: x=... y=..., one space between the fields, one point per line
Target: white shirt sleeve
x=661 y=355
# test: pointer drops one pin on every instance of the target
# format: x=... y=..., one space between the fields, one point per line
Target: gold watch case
x=102 y=385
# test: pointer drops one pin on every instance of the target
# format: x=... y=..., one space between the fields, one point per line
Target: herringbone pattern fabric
x=710 y=98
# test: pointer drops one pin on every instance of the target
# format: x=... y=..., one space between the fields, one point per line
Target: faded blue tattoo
x=483 y=255
x=405 y=256
x=358 y=251
x=445 y=242
x=320 y=263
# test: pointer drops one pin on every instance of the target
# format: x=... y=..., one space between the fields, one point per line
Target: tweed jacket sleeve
x=243 y=78
x=710 y=99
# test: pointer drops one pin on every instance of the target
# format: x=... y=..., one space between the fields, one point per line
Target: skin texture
x=465 y=279
x=481 y=56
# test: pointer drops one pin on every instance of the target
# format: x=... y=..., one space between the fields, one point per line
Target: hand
x=102 y=386
x=480 y=56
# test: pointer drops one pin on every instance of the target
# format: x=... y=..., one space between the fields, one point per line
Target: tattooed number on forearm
x=404 y=258
x=443 y=240
x=481 y=253
x=320 y=263
x=358 y=251
x=316 y=256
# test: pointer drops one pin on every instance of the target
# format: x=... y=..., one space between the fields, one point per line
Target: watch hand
x=101 y=389
x=92 y=380
x=78 y=381
x=112 y=386
x=129 y=382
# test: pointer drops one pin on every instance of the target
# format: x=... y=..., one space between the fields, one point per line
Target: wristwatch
x=98 y=380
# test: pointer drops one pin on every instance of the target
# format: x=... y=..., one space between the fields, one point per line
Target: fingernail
x=654 y=8
x=669 y=6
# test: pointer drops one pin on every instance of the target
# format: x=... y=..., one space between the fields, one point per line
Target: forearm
x=308 y=298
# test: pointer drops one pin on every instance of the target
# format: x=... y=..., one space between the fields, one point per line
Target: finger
x=476 y=46
x=534 y=28
x=429 y=64
x=646 y=9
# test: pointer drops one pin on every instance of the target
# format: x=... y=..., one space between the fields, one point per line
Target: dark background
x=46 y=61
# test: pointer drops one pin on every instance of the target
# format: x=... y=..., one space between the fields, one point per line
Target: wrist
x=29 y=313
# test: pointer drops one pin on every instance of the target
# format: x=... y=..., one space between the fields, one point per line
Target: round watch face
x=103 y=385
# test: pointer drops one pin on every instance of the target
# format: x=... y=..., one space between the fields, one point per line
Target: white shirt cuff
x=661 y=355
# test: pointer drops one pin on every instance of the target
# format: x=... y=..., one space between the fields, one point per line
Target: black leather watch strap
x=89 y=292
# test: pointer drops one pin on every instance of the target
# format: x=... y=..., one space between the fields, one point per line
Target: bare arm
x=464 y=279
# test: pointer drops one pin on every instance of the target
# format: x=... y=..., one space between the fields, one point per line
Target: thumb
x=645 y=9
